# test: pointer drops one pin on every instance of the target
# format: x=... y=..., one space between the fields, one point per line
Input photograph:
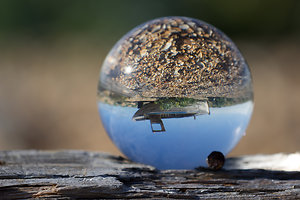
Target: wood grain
x=81 y=174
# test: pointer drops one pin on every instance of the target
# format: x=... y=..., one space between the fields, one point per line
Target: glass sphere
x=172 y=91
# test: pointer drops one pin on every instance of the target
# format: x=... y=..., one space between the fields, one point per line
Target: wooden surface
x=80 y=174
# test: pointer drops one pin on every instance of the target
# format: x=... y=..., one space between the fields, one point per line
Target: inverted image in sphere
x=172 y=91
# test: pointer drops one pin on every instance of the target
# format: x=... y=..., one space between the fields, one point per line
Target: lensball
x=173 y=90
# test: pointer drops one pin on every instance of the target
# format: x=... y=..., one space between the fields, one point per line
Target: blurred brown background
x=51 y=53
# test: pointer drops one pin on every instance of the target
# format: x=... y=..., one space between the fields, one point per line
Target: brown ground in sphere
x=176 y=57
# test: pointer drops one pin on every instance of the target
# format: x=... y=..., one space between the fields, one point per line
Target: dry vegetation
x=48 y=96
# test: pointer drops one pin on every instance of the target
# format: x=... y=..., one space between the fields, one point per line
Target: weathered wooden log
x=81 y=174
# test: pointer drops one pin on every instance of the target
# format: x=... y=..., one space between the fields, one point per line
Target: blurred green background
x=51 y=53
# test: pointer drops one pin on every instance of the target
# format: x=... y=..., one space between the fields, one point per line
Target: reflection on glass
x=156 y=111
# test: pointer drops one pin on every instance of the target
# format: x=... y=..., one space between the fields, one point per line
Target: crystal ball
x=173 y=90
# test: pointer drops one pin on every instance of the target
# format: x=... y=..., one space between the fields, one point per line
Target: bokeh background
x=51 y=53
